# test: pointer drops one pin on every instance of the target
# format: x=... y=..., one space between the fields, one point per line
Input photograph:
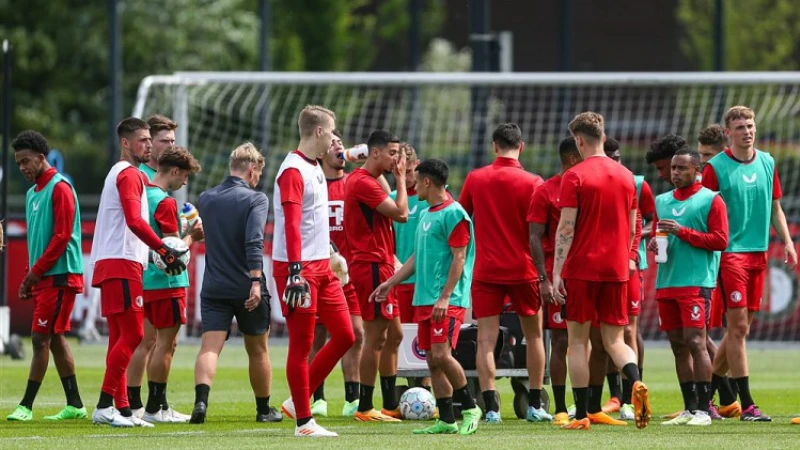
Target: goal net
x=452 y=115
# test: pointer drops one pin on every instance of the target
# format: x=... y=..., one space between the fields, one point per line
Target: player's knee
x=358 y=334
x=678 y=347
x=738 y=331
x=629 y=335
x=394 y=339
x=436 y=360
x=695 y=342
x=40 y=342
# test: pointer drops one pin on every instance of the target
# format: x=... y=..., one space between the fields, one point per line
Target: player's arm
x=715 y=239
x=633 y=254
x=166 y=217
x=465 y=199
x=778 y=220
x=292 y=190
x=396 y=210
x=647 y=206
x=131 y=187
x=537 y=231
x=710 y=180
x=381 y=293
x=537 y=219
x=458 y=242
x=384 y=183
x=565 y=233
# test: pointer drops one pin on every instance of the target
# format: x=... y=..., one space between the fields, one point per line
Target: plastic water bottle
x=662 y=241
x=191 y=214
x=356 y=154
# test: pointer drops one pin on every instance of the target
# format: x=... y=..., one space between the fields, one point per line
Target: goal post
x=216 y=111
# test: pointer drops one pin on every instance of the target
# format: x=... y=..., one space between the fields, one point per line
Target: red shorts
x=741 y=285
x=683 y=312
x=118 y=295
x=366 y=277
x=166 y=312
x=326 y=294
x=429 y=332
x=601 y=301
x=716 y=310
x=553 y=317
x=488 y=299
x=405 y=295
x=351 y=298
x=52 y=309
x=635 y=293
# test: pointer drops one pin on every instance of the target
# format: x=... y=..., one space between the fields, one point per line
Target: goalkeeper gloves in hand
x=298 y=292
x=339 y=265
x=170 y=260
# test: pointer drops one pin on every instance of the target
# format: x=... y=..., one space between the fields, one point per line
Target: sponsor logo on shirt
x=320 y=178
x=750 y=180
x=35 y=206
x=426 y=226
x=679 y=212
x=413 y=210
x=438 y=331
x=696 y=313
x=336 y=214
x=41 y=323
x=736 y=296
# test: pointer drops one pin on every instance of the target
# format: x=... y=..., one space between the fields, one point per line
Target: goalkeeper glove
x=339 y=265
x=170 y=259
x=298 y=292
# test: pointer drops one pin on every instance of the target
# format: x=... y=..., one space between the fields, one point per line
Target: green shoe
x=439 y=427
x=349 y=409
x=319 y=408
x=21 y=414
x=470 y=419
x=69 y=413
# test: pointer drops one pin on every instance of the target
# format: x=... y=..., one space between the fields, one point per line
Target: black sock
x=319 y=393
x=105 y=401
x=726 y=393
x=389 y=393
x=126 y=412
x=262 y=405
x=743 y=384
x=631 y=372
x=490 y=401
x=627 y=391
x=154 y=396
x=703 y=395
x=427 y=388
x=303 y=421
x=689 y=396
x=535 y=398
x=201 y=393
x=614 y=384
x=464 y=397
x=135 y=397
x=70 y=385
x=559 y=396
x=163 y=400
x=351 y=391
x=445 y=406
x=365 y=398
x=581 y=402
x=641 y=373
x=30 y=393
x=595 y=395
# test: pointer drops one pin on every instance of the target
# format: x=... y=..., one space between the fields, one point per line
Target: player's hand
x=560 y=290
x=298 y=292
x=790 y=255
x=632 y=265
x=547 y=292
x=196 y=232
x=171 y=258
x=26 y=288
x=255 y=296
x=400 y=166
x=339 y=265
x=669 y=225
x=440 y=309
x=381 y=293
x=652 y=245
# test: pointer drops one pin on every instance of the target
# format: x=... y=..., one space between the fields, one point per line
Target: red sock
x=342 y=339
x=301 y=336
x=125 y=333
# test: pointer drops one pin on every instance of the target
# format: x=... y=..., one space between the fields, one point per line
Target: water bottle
x=191 y=214
x=356 y=154
x=662 y=241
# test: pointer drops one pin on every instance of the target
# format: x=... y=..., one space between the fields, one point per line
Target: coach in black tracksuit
x=234 y=216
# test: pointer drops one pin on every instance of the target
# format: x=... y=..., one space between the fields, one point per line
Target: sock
x=125 y=411
x=319 y=393
x=163 y=400
x=388 y=392
x=581 y=402
x=535 y=398
x=262 y=405
x=743 y=384
x=464 y=397
x=154 y=396
x=726 y=392
x=365 y=398
x=30 y=393
x=641 y=373
x=631 y=372
x=703 y=395
x=135 y=396
x=427 y=388
x=595 y=395
x=559 y=396
x=105 y=401
x=445 y=406
x=689 y=397
x=201 y=393
x=350 y=391
x=627 y=391
x=614 y=384
x=303 y=421
x=70 y=385
x=490 y=401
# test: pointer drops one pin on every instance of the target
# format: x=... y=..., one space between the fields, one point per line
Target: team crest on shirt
x=41 y=323
x=139 y=301
x=635 y=304
x=695 y=313
x=736 y=296
x=557 y=317
x=389 y=309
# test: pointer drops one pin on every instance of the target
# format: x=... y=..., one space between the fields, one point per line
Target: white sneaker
x=110 y=416
x=626 y=412
x=162 y=416
x=288 y=410
x=700 y=419
x=311 y=429
x=139 y=412
x=137 y=422
x=682 y=419
x=175 y=414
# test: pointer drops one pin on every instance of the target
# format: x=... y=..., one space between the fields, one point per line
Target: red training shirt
x=336 y=214
x=545 y=210
x=369 y=233
x=646 y=200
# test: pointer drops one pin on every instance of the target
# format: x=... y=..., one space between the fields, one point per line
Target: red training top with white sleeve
x=336 y=214
x=369 y=233
x=545 y=210
x=604 y=193
x=498 y=198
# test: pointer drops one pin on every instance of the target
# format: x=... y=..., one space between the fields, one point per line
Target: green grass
x=231 y=424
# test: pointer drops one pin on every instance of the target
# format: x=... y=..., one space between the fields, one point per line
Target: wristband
x=255 y=279
x=295 y=268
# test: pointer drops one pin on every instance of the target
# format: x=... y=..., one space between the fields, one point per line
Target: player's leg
x=694 y=337
x=487 y=304
x=558 y=374
x=139 y=362
x=755 y=290
x=446 y=423
x=578 y=342
x=350 y=363
x=64 y=361
x=614 y=380
x=630 y=334
x=374 y=340
x=319 y=407
x=166 y=316
x=526 y=302
x=254 y=325
x=387 y=367
x=216 y=316
x=405 y=297
x=598 y=364
x=341 y=341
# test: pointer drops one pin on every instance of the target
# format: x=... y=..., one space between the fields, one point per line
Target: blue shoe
x=493 y=417
x=538 y=415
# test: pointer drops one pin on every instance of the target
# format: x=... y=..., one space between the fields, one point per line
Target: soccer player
x=543 y=217
x=711 y=142
x=593 y=242
x=444 y=251
x=162 y=130
x=333 y=165
x=55 y=272
x=164 y=295
x=368 y=216
x=119 y=255
x=498 y=198
x=696 y=219
x=747 y=179
x=234 y=216
x=302 y=268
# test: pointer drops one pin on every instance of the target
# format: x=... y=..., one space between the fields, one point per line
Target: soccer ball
x=176 y=243
x=417 y=404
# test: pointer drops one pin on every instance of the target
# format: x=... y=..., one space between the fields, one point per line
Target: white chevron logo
x=42 y=323
x=749 y=180
x=35 y=206
x=413 y=210
x=678 y=213
x=426 y=226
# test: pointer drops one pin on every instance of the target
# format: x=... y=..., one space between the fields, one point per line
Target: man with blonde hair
x=234 y=217
x=591 y=269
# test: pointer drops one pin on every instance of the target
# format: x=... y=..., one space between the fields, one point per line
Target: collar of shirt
x=503 y=161
x=682 y=194
x=45 y=178
x=310 y=161
x=729 y=152
x=234 y=180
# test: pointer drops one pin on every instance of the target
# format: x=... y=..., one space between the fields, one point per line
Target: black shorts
x=217 y=314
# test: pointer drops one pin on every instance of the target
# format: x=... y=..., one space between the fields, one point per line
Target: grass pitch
x=231 y=418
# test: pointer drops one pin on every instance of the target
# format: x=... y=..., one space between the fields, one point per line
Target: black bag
x=467 y=348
